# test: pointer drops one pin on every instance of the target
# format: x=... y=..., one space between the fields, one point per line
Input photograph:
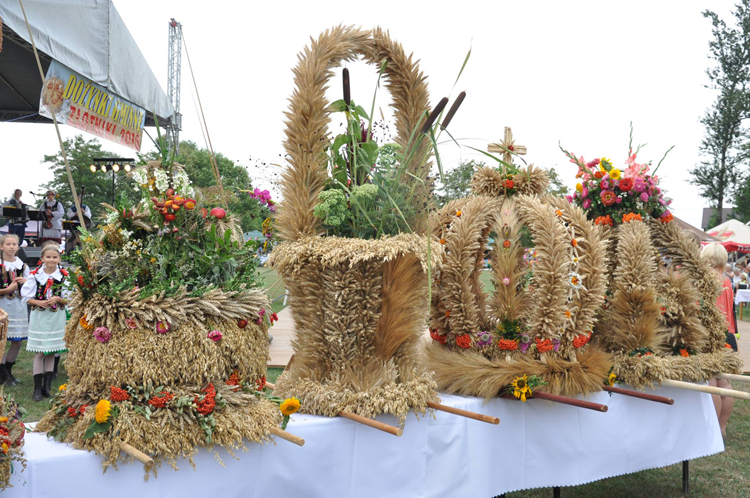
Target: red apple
x=218 y=213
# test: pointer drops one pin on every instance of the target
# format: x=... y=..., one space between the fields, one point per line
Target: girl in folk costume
x=46 y=291
x=53 y=211
x=13 y=275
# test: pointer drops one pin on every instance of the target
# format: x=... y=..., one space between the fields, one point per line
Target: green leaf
x=338 y=106
x=97 y=428
x=361 y=112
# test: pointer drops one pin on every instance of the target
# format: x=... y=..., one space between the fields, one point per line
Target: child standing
x=13 y=274
x=46 y=292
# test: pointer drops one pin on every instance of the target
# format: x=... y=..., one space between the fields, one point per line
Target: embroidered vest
x=53 y=287
x=6 y=278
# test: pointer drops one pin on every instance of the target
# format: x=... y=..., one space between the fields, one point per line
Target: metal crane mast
x=174 y=68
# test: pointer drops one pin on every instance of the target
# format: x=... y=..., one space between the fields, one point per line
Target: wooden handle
x=270 y=386
x=288 y=436
x=564 y=400
x=638 y=394
x=136 y=453
x=396 y=431
x=735 y=377
x=705 y=389
x=464 y=413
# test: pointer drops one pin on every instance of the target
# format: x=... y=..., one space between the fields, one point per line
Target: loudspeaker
x=30 y=255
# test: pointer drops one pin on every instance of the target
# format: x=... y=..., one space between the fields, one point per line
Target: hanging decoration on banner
x=82 y=104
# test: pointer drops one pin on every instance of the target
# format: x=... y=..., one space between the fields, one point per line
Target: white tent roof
x=90 y=38
x=733 y=234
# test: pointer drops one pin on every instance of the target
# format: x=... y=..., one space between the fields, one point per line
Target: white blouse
x=12 y=266
x=28 y=291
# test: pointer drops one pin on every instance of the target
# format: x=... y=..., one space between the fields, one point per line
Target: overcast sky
x=571 y=72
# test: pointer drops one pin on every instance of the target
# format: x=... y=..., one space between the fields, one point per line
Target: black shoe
x=47 y=384
x=4 y=379
x=12 y=381
x=37 y=388
x=54 y=370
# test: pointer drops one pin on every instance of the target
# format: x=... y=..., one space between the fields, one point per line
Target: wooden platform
x=282 y=332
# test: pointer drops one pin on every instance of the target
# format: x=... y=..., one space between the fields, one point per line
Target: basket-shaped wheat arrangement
x=3 y=326
x=168 y=339
x=359 y=305
x=538 y=320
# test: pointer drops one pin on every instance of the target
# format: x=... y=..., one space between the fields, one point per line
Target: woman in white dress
x=53 y=211
x=46 y=291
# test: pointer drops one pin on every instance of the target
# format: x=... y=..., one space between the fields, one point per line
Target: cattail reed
x=347 y=90
x=434 y=114
x=452 y=112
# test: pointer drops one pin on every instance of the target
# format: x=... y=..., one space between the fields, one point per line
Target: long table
x=537 y=444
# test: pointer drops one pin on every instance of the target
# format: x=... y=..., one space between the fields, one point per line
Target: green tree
x=556 y=186
x=722 y=145
x=98 y=185
x=197 y=163
x=457 y=182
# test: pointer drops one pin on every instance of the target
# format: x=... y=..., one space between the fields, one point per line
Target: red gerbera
x=625 y=184
x=598 y=174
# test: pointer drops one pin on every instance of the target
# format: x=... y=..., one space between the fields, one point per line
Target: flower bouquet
x=355 y=255
x=660 y=318
x=168 y=339
x=12 y=432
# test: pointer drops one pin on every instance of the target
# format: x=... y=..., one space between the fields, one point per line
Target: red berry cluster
x=161 y=401
x=208 y=403
x=116 y=394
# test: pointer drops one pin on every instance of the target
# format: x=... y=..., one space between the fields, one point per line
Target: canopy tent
x=89 y=37
x=733 y=235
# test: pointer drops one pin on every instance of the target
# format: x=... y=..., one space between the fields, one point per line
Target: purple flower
x=639 y=186
x=102 y=334
x=586 y=203
x=163 y=327
x=484 y=338
x=262 y=312
x=644 y=197
x=524 y=346
x=555 y=344
x=214 y=335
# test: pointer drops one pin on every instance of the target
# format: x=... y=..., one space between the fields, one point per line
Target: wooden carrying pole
x=464 y=413
x=734 y=377
x=638 y=394
x=288 y=436
x=564 y=400
x=136 y=453
x=705 y=389
x=396 y=431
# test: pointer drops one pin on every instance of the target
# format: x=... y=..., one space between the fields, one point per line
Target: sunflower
x=615 y=174
x=611 y=380
x=62 y=387
x=289 y=406
x=521 y=388
x=102 y=411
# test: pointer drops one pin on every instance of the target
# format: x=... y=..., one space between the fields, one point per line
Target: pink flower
x=506 y=281
x=644 y=197
x=570 y=198
x=639 y=185
x=593 y=163
x=584 y=192
x=102 y=334
x=163 y=327
x=131 y=323
x=214 y=335
x=586 y=203
x=604 y=184
x=618 y=200
x=262 y=312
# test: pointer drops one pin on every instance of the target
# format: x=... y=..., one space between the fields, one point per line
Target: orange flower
x=684 y=353
x=574 y=243
x=631 y=217
x=84 y=323
x=558 y=212
x=567 y=314
x=603 y=220
x=509 y=184
x=442 y=241
x=463 y=341
x=507 y=344
x=506 y=244
x=726 y=345
x=667 y=218
x=447 y=313
x=458 y=213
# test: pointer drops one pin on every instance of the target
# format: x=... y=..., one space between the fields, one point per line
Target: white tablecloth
x=537 y=444
x=742 y=296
